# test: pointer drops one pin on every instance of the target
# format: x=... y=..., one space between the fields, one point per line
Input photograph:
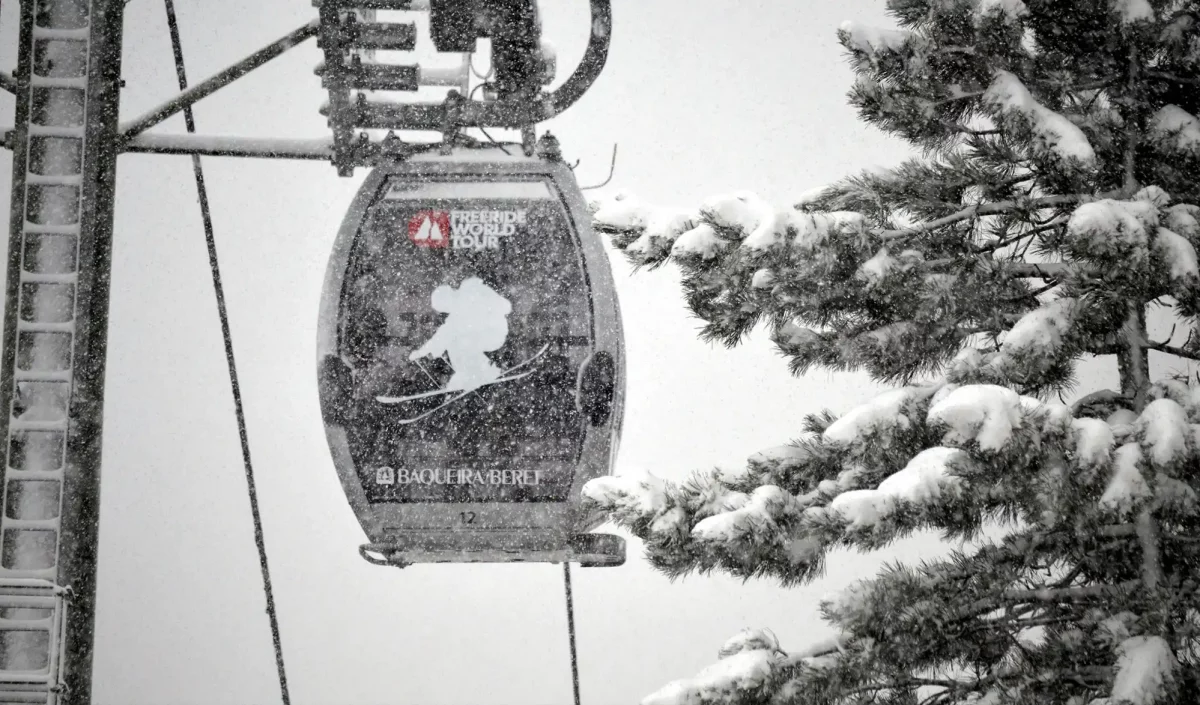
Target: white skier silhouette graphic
x=476 y=325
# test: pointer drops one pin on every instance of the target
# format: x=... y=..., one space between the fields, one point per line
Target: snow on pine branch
x=745 y=676
x=1052 y=132
x=1177 y=128
x=1133 y=11
x=1145 y=668
x=872 y=41
x=1008 y=11
x=842 y=293
x=915 y=457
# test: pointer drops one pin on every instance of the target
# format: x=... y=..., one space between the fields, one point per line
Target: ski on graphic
x=505 y=376
x=459 y=397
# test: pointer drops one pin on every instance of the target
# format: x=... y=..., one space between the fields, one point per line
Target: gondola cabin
x=470 y=362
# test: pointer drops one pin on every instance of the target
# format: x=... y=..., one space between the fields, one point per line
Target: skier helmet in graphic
x=470 y=362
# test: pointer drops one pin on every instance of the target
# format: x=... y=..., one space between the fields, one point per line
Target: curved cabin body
x=471 y=363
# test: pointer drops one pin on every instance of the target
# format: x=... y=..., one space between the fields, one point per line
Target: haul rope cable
x=218 y=289
x=571 y=630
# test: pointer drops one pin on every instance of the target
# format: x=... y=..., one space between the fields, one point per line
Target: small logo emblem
x=430 y=229
x=385 y=476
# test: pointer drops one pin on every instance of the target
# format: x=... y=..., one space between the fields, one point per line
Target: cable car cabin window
x=465 y=317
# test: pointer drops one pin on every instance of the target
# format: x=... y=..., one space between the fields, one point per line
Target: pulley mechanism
x=365 y=90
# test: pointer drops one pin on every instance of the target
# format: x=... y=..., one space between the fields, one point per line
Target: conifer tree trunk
x=1134 y=366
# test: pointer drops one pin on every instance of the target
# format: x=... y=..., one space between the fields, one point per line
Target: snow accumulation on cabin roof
x=1056 y=132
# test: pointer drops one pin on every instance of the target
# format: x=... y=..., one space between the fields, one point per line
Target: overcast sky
x=703 y=97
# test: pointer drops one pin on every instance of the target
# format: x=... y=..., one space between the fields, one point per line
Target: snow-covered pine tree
x=1054 y=210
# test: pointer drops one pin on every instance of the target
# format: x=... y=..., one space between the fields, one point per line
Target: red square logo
x=429 y=229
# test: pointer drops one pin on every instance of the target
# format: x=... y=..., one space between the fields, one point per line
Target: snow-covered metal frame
x=402 y=534
x=37 y=610
x=351 y=111
x=351 y=146
x=65 y=149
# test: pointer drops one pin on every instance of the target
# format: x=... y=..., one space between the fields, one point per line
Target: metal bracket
x=220 y=80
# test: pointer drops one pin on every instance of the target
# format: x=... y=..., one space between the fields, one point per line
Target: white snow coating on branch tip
x=879 y=414
x=924 y=480
x=1177 y=127
x=1164 y=430
x=1112 y=227
x=627 y=494
x=755 y=518
x=877 y=268
x=1178 y=253
x=727 y=680
x=1126 y=486
x=1094 y=441
x=621 y=211
x=813 y=229
x=1132 y=11
x=1041 y=329
x=1007 y=10
x=985 y=413
x=748 y=213
x=702 y=241
x=1144 y=666
x=749 y=640
x=870 y=40
x=1055 y=132
x=795 y=335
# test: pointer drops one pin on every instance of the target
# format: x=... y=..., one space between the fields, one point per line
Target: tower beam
x=65 y=143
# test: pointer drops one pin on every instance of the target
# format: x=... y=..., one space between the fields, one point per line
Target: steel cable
x=218 y=289
x=571 y=629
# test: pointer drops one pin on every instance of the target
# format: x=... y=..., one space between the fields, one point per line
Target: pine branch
x=1032 y=294
x=1049 y=595
x=1038 y=270
x=982 y=209
x=1173 y=350
x=1004 y=242
x=1176 y=78
x=909 y=683
x=1103 y=396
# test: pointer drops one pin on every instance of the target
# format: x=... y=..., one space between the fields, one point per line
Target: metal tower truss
x=55 y=332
